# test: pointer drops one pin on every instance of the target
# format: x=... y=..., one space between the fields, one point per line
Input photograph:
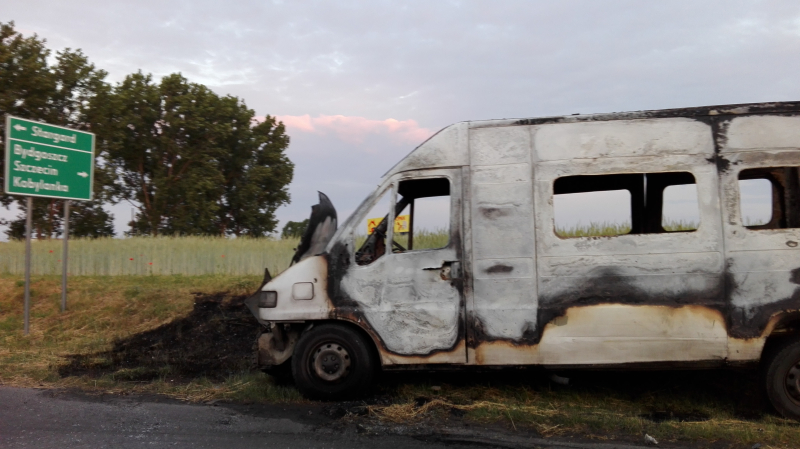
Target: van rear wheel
x=782 y=377
x=333 y=362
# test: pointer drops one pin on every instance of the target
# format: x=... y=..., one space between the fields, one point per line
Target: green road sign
x=46 y=160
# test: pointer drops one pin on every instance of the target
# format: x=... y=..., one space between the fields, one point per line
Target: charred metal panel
x=502 y=219
x=312 y=269
x=619 y=333
x=412 y=301
x=445 y=149
x=629 y=138
x=501 y=174
x=762 y=132
x=505 y=304
x=412 y=308
x=503 y=244
x=499 y=146
x=615 y=334
x=648 y=276
x=763 y=264
x=701 y=112
x=321 y=227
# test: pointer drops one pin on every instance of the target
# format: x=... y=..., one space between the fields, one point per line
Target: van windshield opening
x=422 y=220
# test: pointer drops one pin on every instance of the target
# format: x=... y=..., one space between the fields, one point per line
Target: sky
x=359 y=84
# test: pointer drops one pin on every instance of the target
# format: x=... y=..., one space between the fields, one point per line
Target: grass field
x=190 y=256
x=199 y=256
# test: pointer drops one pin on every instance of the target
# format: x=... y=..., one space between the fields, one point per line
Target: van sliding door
x=761 y=192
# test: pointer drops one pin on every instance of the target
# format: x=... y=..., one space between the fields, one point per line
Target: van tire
x=782 y=378
x=333 y=362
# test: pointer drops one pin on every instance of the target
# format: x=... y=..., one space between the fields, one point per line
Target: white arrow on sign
x=19 y=127
x=83 y=174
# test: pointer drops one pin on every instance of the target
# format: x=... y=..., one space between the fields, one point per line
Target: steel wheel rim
x=331 y=362
x=792 y=382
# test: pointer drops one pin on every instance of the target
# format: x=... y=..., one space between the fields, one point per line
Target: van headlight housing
x=268 y=300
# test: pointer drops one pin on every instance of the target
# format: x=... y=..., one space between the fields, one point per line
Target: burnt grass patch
x=213 y=341
x=660 y=395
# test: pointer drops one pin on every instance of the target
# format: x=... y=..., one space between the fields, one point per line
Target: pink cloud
x=355 y=129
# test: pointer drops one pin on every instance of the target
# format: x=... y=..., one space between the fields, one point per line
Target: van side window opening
x=681 y=211
x=426 y=202
x=769 y=198
x=638 y=203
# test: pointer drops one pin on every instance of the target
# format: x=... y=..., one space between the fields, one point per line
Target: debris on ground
x=650 y=440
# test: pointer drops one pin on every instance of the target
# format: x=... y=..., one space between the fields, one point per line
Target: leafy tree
x=294 y=229
x=194 y=162
x=61 y=94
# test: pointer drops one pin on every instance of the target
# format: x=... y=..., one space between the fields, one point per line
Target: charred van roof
x=699 y=111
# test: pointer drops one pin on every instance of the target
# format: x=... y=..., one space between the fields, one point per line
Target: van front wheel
x=782 y=376
x=333 y=362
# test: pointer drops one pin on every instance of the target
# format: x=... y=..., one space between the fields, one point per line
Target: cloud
x=336 y=70
x=355 y=130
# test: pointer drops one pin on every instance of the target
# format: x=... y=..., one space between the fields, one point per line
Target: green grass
x=190 y=256
x=608 y=229
x=199 y=256
x=423 y=239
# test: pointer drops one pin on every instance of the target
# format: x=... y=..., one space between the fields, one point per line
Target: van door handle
x=450 y=269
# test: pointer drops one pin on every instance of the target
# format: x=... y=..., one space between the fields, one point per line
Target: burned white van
x=508 y=287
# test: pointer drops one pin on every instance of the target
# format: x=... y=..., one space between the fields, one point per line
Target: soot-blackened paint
x=695 y=112
x=322 y=214
x=499 y=268
x=345 y=307
x=478 y=334
x=610 y=287
x=494 y=212
x=741 y=326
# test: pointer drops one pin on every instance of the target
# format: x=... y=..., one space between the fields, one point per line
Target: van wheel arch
x=364 y=333
x=782 y=327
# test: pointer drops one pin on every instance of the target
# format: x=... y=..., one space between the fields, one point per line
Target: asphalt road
x=44 y=419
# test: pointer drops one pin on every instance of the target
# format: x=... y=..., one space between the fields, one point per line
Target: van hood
x=320 y=230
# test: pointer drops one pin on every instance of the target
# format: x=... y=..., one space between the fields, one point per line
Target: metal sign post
x=64 y=255
x=52 y=162
x=28 y=232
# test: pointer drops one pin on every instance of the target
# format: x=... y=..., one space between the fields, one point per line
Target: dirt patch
x=215 y=340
